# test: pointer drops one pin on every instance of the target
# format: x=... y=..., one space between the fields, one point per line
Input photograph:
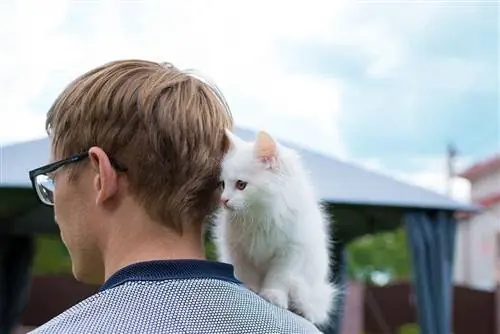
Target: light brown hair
x=164 y=125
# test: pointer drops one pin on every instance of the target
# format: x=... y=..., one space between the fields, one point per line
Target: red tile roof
x=490 y=200
x=481 y=168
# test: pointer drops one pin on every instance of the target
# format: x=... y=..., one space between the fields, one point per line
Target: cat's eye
x=240 y=185
x=221 y=184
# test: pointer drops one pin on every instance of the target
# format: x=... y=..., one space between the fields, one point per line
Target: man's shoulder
x=177 y=306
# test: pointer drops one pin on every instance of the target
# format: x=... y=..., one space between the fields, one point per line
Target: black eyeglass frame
x=52 y=167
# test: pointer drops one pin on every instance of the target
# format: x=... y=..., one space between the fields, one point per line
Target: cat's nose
x=224 y=201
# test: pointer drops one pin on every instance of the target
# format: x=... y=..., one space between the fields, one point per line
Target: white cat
x=272 y=229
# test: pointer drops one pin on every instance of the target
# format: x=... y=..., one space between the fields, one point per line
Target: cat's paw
x=276 y=297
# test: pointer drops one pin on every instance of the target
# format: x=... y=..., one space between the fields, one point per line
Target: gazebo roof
x=360 y=201
x=336 y=181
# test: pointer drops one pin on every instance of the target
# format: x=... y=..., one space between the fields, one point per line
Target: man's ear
x=105 y=177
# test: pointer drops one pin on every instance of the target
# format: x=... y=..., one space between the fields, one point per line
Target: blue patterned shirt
x=181 y=296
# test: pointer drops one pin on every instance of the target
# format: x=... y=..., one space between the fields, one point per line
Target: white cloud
x=33 y=51
x=46 y=44
x=235 y=45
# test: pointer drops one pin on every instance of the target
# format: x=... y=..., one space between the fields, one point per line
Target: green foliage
x=385 y=252
x=379 y=253
x=51 y=256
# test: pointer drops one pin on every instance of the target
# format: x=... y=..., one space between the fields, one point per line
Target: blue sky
x=445 y=89
x=382 y=84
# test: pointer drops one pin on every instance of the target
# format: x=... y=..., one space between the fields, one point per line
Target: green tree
x=384 y=254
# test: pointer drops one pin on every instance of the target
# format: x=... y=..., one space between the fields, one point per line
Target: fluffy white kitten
x=272 y=229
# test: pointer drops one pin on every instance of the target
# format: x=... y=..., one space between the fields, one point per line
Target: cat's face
x=248 y=173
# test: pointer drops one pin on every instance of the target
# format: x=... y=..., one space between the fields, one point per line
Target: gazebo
x=361 y=202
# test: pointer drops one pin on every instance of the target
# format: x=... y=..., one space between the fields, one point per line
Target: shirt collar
x=171 y=270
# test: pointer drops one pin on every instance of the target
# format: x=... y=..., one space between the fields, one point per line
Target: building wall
x=461 y=255
x=477 y=257
x=487 y=185
x=476 y=252
x=483 y=253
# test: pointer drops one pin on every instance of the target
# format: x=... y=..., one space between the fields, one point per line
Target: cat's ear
x=265 y=149
x=233 y=139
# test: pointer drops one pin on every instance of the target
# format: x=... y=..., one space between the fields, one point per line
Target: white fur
x=274 y=232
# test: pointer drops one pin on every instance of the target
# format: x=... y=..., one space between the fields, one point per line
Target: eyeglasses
x=43 y=182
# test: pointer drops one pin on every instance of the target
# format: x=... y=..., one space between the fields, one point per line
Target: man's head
x=150 y=138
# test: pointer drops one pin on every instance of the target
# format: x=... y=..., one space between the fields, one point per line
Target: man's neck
x=148 y=241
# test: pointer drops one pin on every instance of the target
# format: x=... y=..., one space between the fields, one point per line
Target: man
x=136 y=151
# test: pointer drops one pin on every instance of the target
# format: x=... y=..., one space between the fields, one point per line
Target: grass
x=409 y=329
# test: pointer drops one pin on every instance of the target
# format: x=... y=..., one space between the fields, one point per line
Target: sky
x=383 y=84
